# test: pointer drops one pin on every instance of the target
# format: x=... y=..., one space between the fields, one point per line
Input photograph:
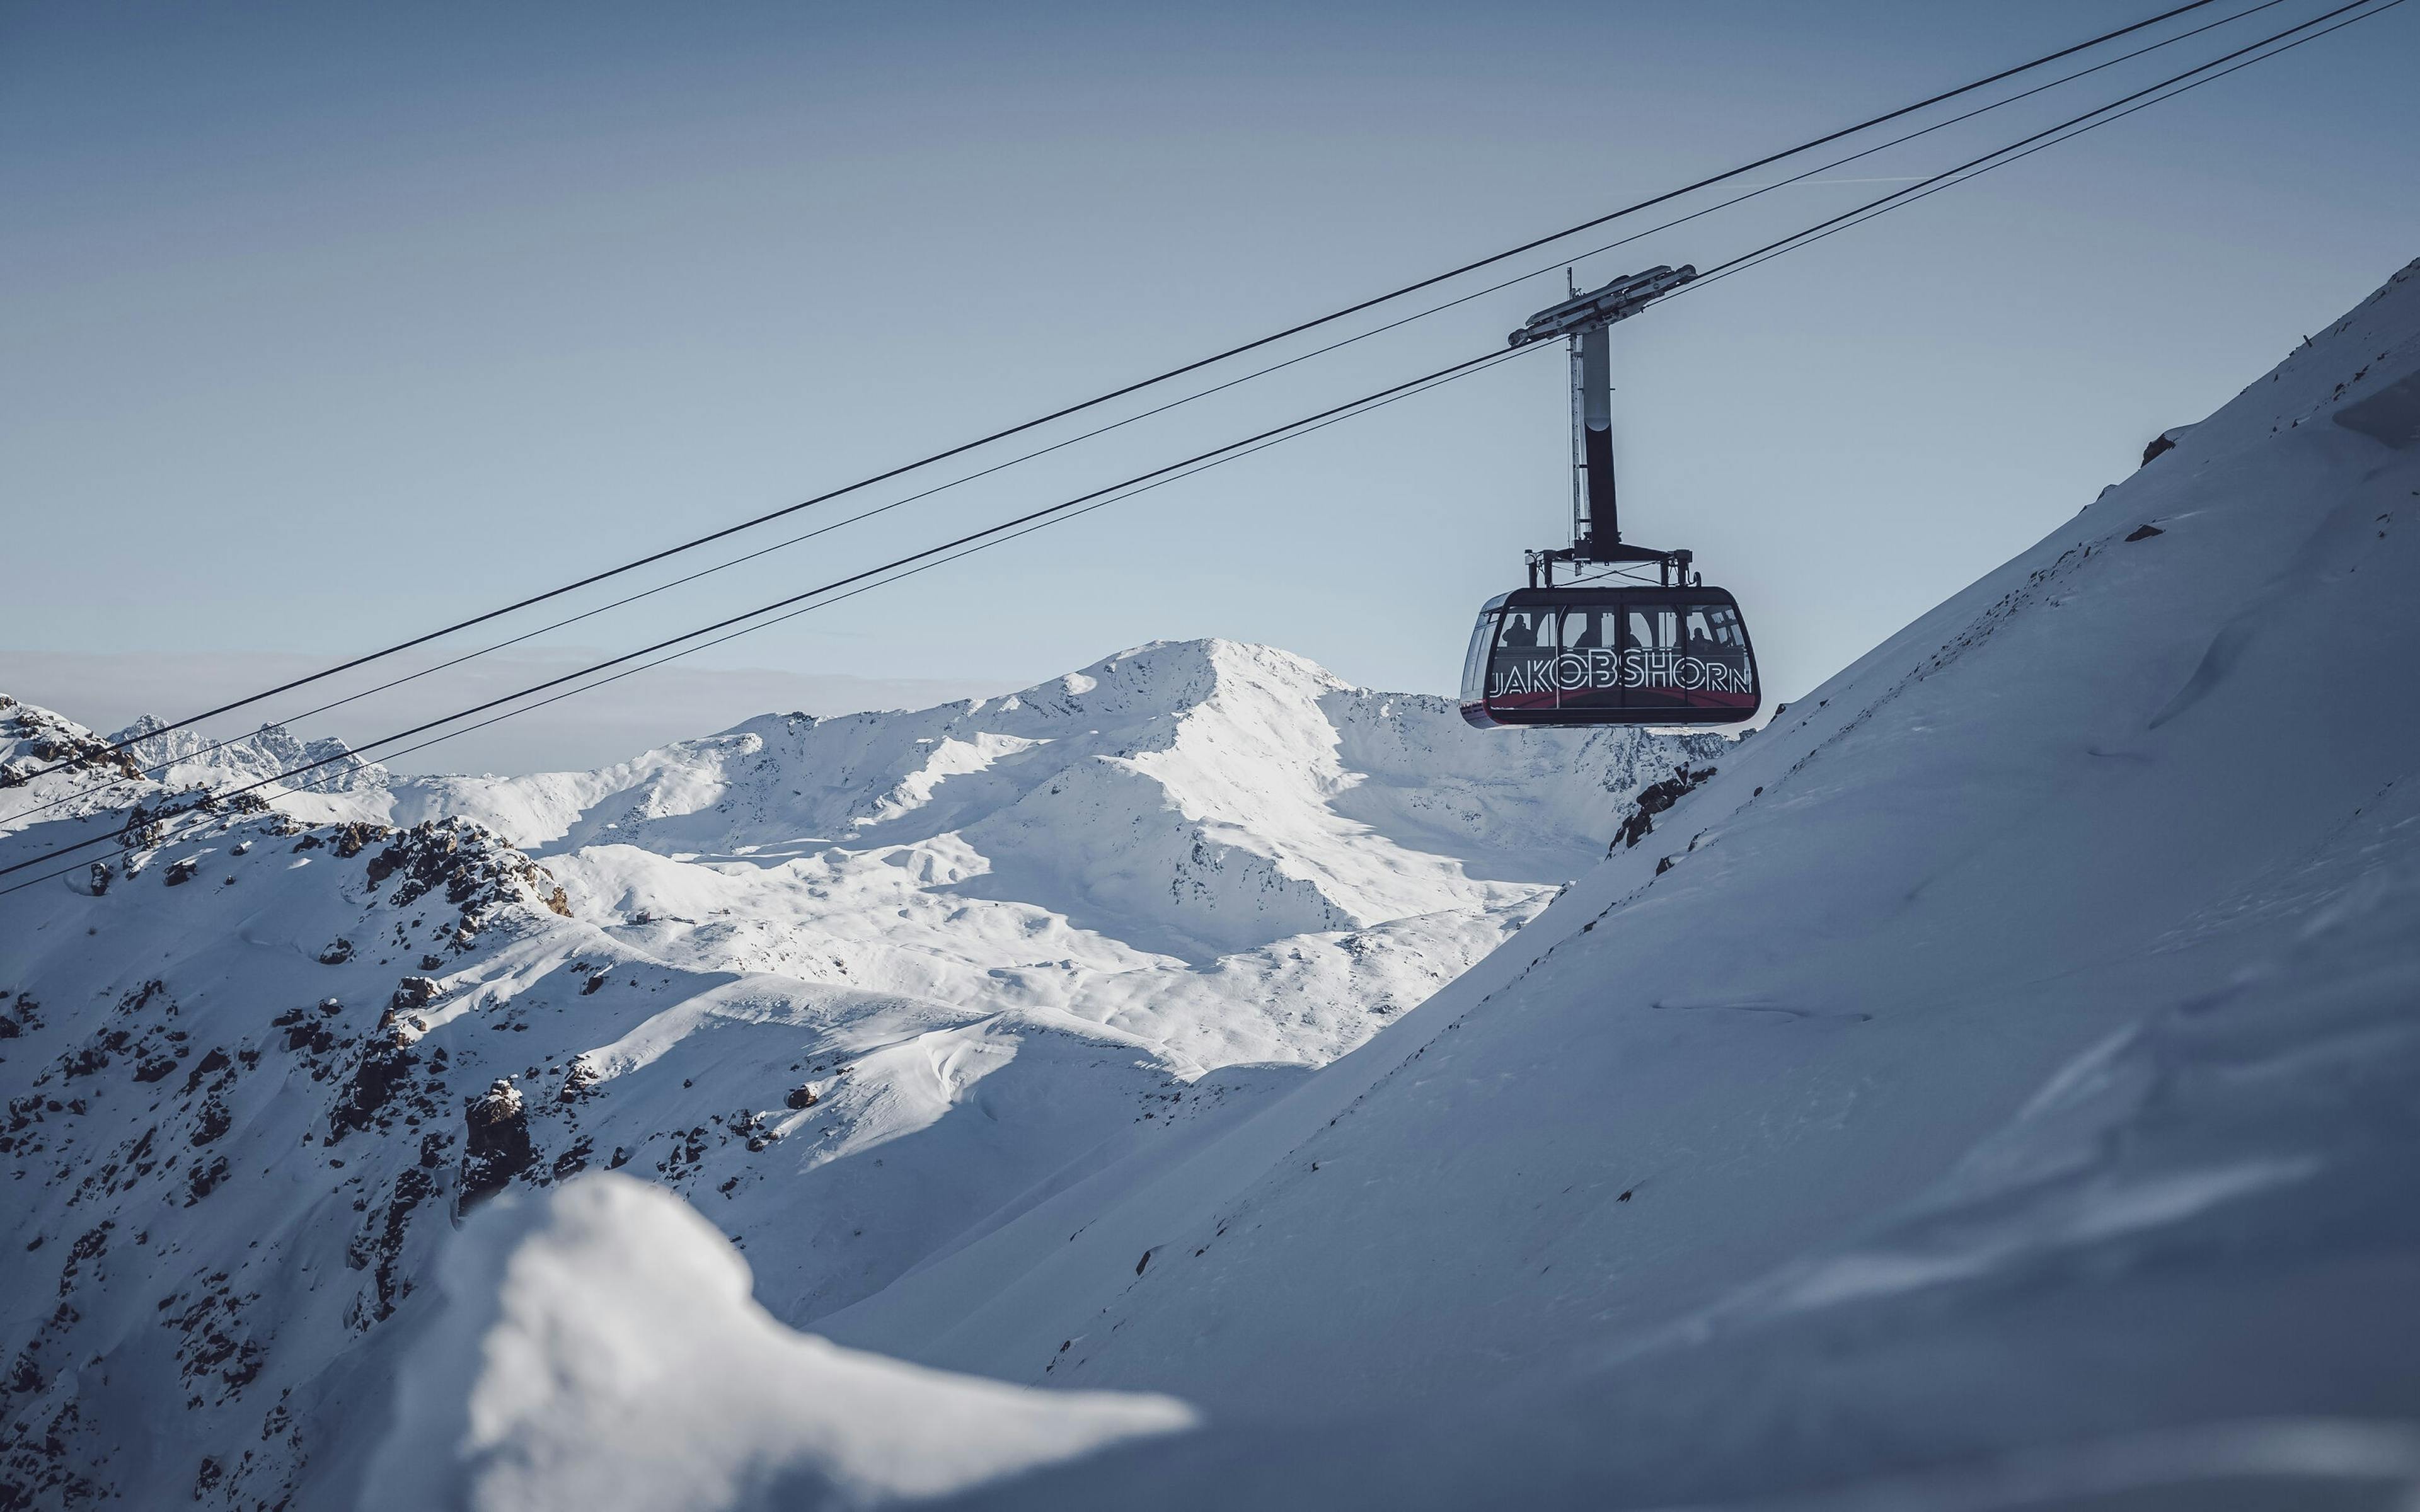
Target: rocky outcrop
x=187 y=758
x=496 y=1146
x=36 y=742
x=1653 y=799
x=469 y=867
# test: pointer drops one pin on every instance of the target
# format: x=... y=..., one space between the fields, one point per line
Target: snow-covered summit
x=51 y=767
x=185 y=758
x=1191 y=797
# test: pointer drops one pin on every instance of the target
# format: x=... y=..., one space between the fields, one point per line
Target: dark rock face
x=385 y=1065
x=1653 y=800
x=354 y=839
x=378 y=1247
x=143 y=827
x=496 y=1147
x=139 y=1108
x=414 y=992
x=306 y=1034
x=472 y=868
x=208 y=1065
x=51 y=745
x=213 y=1121
x=578 y=1081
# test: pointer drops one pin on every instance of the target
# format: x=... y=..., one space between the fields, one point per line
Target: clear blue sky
x=330 y=323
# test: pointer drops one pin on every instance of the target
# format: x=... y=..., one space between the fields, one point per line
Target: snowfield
x=861 y=987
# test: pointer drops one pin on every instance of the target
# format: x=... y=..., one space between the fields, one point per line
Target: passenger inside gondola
x=1524 y=631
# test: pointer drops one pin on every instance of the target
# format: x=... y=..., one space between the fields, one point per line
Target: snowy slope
x=861 y=989
x=1993 y=1089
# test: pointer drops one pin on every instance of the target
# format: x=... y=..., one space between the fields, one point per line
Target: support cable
x=1084 y=503
x=967 y=551
x=155 y=768
x=1939 y=182
x=2011 y=153
x=1301 y=426
x=1162 y=376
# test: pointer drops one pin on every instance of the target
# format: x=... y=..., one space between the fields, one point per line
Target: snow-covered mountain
x=185 y=759
x=148 y=763
x=1202 y=796
x=855 y=987
x=1993 y=1089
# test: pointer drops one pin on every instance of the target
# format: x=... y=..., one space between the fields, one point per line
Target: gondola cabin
x=1671 y=653
x=1585 y=655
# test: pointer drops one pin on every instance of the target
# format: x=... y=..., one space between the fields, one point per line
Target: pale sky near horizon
x=326 y=325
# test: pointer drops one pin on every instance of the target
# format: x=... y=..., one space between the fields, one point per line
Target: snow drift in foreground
x=598 y=1348
x=1995 y=1089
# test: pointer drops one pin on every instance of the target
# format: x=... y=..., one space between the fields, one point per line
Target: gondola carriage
x=1673 y=651
x=1585 y=654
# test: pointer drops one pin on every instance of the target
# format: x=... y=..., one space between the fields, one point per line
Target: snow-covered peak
x=186 y=758
x=1191 y=797
x=51 y=768
x=1170 y=677
x=50 y=765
